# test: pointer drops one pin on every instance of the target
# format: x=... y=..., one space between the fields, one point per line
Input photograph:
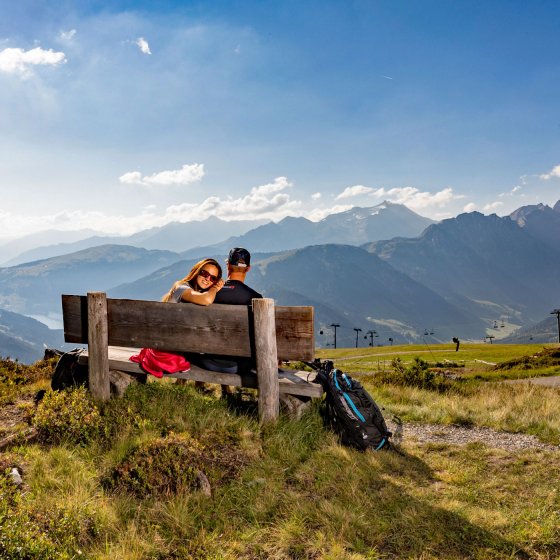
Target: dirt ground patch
x=14 y=416
x=553 y=381
x=461 y=435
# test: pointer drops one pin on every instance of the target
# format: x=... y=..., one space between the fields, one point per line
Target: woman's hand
x=203 y=298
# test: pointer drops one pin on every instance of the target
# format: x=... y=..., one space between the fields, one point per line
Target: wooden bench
x=115 y=329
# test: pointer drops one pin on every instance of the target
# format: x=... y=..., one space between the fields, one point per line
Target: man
x=234 y=292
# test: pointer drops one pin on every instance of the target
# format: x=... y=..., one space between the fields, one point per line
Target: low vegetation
x=546 y=359
x=169 y=473
x=416 y=374
x=67 y=417
x=17 y=379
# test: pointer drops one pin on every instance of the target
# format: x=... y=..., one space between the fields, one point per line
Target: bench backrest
x=218 y=329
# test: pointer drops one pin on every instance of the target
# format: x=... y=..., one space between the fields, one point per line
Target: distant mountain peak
x=521 y=213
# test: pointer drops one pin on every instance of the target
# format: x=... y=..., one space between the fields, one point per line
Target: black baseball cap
x=239 y=256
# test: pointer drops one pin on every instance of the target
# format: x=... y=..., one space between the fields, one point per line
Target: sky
x=119 y=116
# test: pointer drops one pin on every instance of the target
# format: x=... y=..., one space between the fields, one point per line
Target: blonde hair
x=190 y=278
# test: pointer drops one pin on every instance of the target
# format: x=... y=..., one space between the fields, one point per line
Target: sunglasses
x=208 y=276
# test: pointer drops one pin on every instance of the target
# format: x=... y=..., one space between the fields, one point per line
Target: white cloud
x=67 y=36
x=18 y=225
x=279 y=184
x=412 y=197
x=493 y=206
x=554 y=173
x=317 y=214
x=512 y=192
x=416 y=199
x=131 y=178
x=356 y=190
x=316 y=196
x=263 y=202
x=470 y=207
x=186 y=175
x=143 y=45
x=18 y=61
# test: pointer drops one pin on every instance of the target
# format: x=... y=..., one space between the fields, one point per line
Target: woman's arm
x=202 y=298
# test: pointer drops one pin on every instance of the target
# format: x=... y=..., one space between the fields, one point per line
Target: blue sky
x=118 y=116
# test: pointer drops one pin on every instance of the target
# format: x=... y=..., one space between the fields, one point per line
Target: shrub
x=14 y=376
x=68 y=416
x=547 y=357
x=55 y=533
x=417 y=374
x=21 y=374
x=449 y=364
x=166 y=465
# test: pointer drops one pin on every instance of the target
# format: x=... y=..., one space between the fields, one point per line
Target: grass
x=289 y=490
x=475 y=359
x=512 y=408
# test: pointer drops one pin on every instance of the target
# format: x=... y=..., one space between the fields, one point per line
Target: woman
x=200 y=286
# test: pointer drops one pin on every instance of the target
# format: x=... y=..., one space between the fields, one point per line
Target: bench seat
x=290 y=382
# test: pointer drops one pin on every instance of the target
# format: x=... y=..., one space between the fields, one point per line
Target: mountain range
x=487 y=265
x=176 y=236
x=352 y=227
x=428 y=282
x=35 y=288
x=24 y=338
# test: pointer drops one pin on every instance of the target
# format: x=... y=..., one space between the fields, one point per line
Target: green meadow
x=167 y=472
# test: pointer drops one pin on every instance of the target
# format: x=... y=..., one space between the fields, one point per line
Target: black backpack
x=68 y=372
x=350 y=411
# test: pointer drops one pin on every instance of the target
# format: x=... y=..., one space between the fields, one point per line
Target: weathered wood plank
x=99 y=384
x=267 y=359
x=295 y=338
x=217 y=329
x=220 y=329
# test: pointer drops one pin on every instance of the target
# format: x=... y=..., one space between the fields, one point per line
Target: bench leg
x=98 y=346
x=267 y=359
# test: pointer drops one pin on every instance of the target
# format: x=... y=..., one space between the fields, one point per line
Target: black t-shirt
x=236 y=292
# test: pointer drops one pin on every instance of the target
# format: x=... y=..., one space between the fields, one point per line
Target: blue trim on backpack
x=347 y=398
x=381 y=444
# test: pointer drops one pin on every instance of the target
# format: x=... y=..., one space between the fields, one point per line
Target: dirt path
x=552 y=381
x=461 y=435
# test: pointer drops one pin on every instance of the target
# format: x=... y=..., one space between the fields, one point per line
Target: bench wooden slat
x=290 y=382
x=164 y=326
x=295 y=338
x=216 y=329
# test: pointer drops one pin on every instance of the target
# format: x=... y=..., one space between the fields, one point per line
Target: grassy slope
x=298 y=493
x=476 y=358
